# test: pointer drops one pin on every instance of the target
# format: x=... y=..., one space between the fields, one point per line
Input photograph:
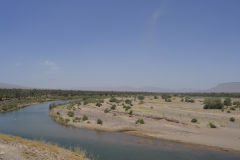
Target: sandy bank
x=16 y=148
x=162 y=120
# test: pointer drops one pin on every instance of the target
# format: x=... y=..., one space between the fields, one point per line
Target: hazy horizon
x=168 y=44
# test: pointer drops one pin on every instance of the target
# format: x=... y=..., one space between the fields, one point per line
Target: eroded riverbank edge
x=15 y=148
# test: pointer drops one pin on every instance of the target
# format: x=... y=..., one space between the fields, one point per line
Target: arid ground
x=16 y=148
x=154 y=117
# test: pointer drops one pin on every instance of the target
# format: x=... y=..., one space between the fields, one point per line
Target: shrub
x=141 y=98
x=237 y=103
x=228 y=111
x=67 y=120
x=99 y=121
x=70 y=114
x=106 y=110
x=131 y=112
x=155 y=97
x=113 y=99
x=212 y=125
x=99 y=104
x=140 y=121
x=113 y=107
x=227 y=101
x=126 y=107
x=76 y=119
x=168 y=100
x=167 y=97
x=189 y=100
x=128 y=101
x=51 y=106
x=213 y=103
x=232 y=119
x=232 y=108
x=85 y=118
x=194 y=120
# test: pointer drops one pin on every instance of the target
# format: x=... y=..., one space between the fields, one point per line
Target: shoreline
x=14 y=148
x=139 y=133
x=155 y=127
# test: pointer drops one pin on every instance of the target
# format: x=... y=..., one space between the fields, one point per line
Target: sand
x=162 y=120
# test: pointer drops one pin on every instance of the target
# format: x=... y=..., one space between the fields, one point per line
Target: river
x=33 y=122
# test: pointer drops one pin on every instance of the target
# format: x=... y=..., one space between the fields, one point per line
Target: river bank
x=161 y=120
x=16 y=148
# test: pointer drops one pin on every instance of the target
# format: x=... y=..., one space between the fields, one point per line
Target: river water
x=33 y=122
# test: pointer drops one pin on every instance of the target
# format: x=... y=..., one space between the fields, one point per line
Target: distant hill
x=231 y=87
x=10 y=86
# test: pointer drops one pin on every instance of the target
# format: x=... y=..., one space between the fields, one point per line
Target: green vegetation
x=130 y=113
x=227 y=101
x=128 y=101
x=99 y=104
x=113 y=99
x=167 y=97
x=106 y=110
x=141 y=98
x=213 y=103
x=85 y=118
x=155 y=97
x=53 y=105
x=140 y=121
x=70 y=114
x=99 y=121
x=232 y=119
x=77 y=119
x=194 y=120
x=113 y=107
x=212 y=125
x=126 y=107
x=189 y=100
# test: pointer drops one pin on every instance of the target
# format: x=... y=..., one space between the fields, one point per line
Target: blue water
x=33 y=122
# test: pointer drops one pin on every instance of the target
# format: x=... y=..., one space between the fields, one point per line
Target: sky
x=107 y=43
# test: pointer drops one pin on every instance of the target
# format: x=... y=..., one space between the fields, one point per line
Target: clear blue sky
x=105 y=43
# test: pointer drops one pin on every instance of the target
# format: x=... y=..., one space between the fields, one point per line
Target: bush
x=131 y=112
x=140 y=121
x=232 y=119
x=71 y=114
x=76 y=119
x=189 y=100
x=113 y=99
x=113 y=107
x=126 y=107
x=99 y=121
x=141 y=98
x=99 y=104
x=106 y=110
x=51 y=106
x=212 y=125
x=232 y=108
x=128 y=101
x=67 y=120
x=227 y=101
x=85 y=118
x=155 y=97
x=213 y=103
x=194 y=120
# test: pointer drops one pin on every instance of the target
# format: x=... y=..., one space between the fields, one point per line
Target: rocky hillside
x=232 y=87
